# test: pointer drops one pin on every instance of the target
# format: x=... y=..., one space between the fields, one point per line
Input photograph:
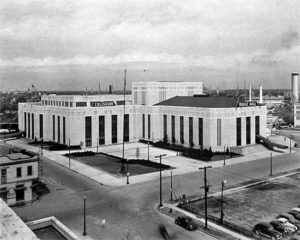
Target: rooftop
x=203 y=101
x=15 y=158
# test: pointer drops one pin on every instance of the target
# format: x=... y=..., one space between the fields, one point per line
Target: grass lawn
x=261 y=203
x=113 y=165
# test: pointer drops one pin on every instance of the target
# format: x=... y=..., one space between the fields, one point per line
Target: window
x=53 y=127
x=200 y=121
x=32 y=121
x=173 y=129
x=248 y=130
x=165 y=128
x=3 y=176
x=80 y=104
x=257 y=126
x=114 y=128
x=58 y=128
x=71 y=104
x=25 y=123
x=19 y=172
x=191 y=131
x=126 y=127
x=219 y=132
x=238 y=131
x=41 y=126
x=28 y=125
x=64 y=130
x=182 y=129
x=29 y=170
x=88 y=131
x=149 y=125
x=101 y=130
x=143 y=125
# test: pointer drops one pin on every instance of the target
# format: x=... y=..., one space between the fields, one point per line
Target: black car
x=186 y=222
x=290 y=218
x=265 y=229
x=295 y=214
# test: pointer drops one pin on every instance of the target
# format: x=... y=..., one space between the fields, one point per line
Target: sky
x=79 y=44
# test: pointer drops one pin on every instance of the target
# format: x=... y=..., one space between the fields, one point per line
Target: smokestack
x=295 y=85
x=110 y=89
x=250 y=93
x=260 y=94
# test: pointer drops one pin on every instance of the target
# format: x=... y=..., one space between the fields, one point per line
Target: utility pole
x=160 y=188
x=271 y=166
x=148 y=150
x=69 y=155
x=171 y=189
x=123 y=165
x=222 y=195
x=97 y=144
x=224 y=157
x=84 y=217
x=206 y=190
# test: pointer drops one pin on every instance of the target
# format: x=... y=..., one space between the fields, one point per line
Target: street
x=130 y=211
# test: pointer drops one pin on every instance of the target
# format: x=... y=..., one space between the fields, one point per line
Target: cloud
x=289 y=39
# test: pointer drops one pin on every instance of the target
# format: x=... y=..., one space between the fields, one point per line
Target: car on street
x=290 y=218
x=295 y=214
x=186 y=222
x=277 y=225
x=296 y=209
x=285 y=222
x=267 y=230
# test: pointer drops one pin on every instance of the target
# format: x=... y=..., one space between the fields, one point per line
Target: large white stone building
x=191 y=120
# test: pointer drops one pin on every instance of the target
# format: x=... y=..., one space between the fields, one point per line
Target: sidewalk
x=181 y=164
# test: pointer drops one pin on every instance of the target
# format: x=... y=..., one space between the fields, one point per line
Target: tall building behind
x=150 y=93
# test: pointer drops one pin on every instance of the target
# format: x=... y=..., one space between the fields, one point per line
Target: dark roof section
x=200 y=101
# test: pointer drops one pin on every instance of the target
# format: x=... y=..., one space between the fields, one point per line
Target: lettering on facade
x=120 y=102
x=247 y=104
x=102 y=104
x=80 y=104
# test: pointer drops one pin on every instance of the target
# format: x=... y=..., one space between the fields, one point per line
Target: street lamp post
x=160 y=188
x=271 y=165
x=123 y=166
x=69 y=155
x=97 y=144
x=148 y=150
x=224 y=157
x=206 y=190
x=84 y=220
x=127 y=173
x=171 y=189
x=290 y=137
x=222 y=211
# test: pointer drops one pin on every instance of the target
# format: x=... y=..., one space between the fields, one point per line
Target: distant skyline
x=71 y=45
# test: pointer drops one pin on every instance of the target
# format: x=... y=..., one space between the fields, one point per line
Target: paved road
x=130 y=211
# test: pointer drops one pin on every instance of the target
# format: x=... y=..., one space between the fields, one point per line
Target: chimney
x=250 y=93
x=260 y=94
x=110 y=89
x=295 y=85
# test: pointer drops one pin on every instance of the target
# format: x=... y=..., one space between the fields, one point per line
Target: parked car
x=290 y=218
x=296 y=209
x=186 y=222
x=277 y=225
x=267 y=230
x=295 y=214
x=285 y=222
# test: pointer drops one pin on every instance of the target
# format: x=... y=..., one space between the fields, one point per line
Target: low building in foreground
x=18 y=170
x=193 y=121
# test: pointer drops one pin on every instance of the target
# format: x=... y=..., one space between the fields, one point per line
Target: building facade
x=18 y=170
x=195 y=121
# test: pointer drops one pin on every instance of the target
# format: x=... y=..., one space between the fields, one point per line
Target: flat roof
x=200 y=101
x=16 y=158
